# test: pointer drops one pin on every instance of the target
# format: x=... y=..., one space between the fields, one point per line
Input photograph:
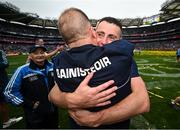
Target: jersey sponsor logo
x=79 y=72
x=29 y=75
x=33 y=78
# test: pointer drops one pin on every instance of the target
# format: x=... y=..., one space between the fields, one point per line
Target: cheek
x=98 y=39
x=99 y=42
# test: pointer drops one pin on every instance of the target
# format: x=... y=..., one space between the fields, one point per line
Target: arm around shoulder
x=136 y=103
x=84 y=96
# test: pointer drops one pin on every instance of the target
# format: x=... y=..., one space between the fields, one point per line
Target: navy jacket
x=112 y=61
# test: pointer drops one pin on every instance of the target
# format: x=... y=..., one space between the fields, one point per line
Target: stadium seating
x=19 y=35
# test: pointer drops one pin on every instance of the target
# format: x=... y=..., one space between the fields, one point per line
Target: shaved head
x=73 y=24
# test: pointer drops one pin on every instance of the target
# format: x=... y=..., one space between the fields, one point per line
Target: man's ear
x=93 y=32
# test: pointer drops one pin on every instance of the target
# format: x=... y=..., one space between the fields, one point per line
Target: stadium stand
x=19 y=30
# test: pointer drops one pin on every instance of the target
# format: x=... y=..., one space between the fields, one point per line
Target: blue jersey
x=110 y=62
x=178 y=52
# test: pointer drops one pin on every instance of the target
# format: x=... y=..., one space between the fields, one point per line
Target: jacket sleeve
x=3 y=60
x=134 y=69
x=12 y=91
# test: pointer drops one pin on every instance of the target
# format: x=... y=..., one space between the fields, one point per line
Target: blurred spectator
x=3 y=82
x=156 y=37
x=177 y=55
x=50 y=54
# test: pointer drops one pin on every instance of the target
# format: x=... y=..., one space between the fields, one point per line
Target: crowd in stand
x=158 y=37
x=23 y=29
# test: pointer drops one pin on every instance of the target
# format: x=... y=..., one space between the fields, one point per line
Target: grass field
x=162 y=77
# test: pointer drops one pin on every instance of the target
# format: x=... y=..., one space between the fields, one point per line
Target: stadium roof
x=10 y=12
x=169 y=10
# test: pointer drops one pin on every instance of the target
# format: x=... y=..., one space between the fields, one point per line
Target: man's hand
x=132 y=105
x=85 y=96
x=60 y=47
x=85 y=118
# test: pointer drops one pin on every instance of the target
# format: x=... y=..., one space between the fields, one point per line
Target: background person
x=52 y=53
x=177 y=55
x=4 y=109
x=49 y=54
x=29 y=87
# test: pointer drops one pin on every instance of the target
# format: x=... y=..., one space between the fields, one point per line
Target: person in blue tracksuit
x=29 y=87
x=112 y=61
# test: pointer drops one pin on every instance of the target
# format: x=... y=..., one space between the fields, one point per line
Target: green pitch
x=161 y=74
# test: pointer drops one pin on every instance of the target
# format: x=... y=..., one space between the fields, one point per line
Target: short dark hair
x=111 y=20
